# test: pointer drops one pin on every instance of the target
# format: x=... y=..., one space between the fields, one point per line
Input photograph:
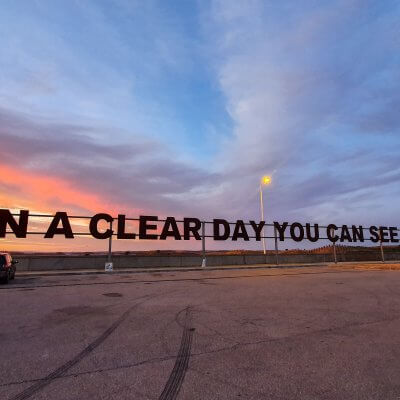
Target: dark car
x=7 y=267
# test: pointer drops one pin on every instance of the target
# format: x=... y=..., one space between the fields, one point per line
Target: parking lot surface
x=295 y=333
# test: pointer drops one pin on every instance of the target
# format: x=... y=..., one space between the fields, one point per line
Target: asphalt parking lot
x=298 y=333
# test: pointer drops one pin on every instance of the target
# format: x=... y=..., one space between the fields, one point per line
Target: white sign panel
x=108 y=267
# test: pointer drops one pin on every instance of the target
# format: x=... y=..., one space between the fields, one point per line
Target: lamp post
x=266 y=180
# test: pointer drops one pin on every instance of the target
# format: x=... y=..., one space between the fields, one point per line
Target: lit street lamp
x=266 y=180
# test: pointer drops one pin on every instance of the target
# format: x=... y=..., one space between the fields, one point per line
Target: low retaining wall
x=71 y=262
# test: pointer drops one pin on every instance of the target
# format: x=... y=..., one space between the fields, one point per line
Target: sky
x=179 y=108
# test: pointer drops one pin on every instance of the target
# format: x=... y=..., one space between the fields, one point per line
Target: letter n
x=18 y=228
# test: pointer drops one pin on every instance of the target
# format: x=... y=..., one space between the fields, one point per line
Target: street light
x=266 y=180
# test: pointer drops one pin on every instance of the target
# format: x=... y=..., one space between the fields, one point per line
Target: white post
x=203 y=244
x=334 y=248
x=109 y=264
x=276 y=247
x=262 y=218
x=381 y=246
x=110 y=244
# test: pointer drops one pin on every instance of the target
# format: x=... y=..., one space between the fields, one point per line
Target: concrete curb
x=164 y=269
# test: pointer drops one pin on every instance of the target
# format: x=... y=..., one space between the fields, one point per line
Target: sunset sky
x=178 y=108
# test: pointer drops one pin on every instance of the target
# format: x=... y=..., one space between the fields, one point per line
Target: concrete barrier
x=74 y=262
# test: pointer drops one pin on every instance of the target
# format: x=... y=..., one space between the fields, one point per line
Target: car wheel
x=6 y=278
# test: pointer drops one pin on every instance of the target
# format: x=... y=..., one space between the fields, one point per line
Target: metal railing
x=337 y=256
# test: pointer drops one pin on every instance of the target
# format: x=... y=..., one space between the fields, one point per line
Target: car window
x=2 y=260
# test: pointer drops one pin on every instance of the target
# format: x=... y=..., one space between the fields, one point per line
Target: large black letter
x=188 y=229
x=143 y=227
x=300 y=237
x=358 y=233
x=383 y=233
x=345 y=234
x=373 y=230
x=121 y=229
x=257 y=229
x=65 y=230
x=393 y=234
x=316 y=233
x=330 y=230
x=240 y=231
x=174 y=232
x=93 y=226
x=281 y=230
x=216 y=224
x=19 y=229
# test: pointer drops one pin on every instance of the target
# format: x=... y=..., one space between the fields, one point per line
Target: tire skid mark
x=175 y=380
x=39 y=385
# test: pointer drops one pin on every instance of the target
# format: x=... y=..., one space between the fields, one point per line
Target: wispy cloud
x=180 y=110
x=51 y=163
x=307 y=84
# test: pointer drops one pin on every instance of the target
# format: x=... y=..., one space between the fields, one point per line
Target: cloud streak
x=60 y=164
x=307 y=85
x=182 y=111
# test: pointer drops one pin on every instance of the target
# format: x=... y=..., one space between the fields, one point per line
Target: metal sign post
x=276 y=247
x=203 y=244
x=381 y=246
x=334 y=248
x=109 y=264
